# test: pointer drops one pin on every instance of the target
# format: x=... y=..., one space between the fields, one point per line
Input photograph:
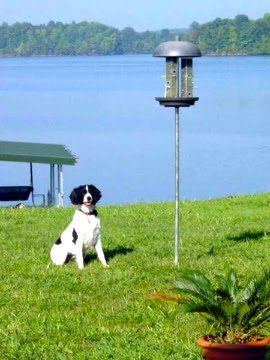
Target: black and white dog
x=84 y=230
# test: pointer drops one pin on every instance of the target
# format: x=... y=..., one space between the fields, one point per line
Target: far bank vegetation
x=238 y=36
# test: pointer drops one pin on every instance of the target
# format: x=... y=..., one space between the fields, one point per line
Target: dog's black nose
x=89 y=198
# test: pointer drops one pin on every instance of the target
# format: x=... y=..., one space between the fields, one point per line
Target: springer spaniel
x=84 y=230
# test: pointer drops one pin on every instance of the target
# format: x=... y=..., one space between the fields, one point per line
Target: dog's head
x=85 y=194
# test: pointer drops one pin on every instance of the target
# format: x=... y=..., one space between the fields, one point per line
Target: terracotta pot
x=249 y=351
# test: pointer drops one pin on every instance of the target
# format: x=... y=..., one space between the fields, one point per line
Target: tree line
x=83 y=38
x=232 y=36
x=220 y=36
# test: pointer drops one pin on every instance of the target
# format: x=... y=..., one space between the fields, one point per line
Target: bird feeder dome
x=183 y=49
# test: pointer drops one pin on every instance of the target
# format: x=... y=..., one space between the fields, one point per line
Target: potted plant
x=237 y=314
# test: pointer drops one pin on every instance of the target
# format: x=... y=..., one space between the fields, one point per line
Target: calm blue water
x=104 y=110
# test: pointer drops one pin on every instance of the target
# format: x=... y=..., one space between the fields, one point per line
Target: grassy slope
x=97 y=313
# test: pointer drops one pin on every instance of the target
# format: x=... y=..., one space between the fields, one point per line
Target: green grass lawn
x=65 y=313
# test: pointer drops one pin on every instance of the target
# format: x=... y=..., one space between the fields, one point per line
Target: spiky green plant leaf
x=236 y=311
x=198 y=285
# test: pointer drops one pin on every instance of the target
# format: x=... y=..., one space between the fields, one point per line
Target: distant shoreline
x=238 y=36
x=66 y=55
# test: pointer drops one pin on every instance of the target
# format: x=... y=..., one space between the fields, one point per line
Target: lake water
x=104 y=110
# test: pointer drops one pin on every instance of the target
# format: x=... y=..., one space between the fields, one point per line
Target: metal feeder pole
x=172 y=51
x=177 y=195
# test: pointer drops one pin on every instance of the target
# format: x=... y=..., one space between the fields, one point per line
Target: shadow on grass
x=247 y=236
x=109 y=254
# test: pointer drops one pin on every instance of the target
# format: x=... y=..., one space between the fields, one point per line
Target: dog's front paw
x=106 y=265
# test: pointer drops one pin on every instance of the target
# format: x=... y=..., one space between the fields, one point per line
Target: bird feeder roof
x=183 y=49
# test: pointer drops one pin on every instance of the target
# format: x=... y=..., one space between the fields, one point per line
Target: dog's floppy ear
x=76 y=196
x=95 y=192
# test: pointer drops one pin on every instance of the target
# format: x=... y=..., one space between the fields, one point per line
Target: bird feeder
x=172 y=51
x=176 y=96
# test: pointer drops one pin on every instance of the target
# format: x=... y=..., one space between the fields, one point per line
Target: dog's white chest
x=87 y=227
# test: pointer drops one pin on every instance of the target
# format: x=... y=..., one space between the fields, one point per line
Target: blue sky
x=140 y=14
